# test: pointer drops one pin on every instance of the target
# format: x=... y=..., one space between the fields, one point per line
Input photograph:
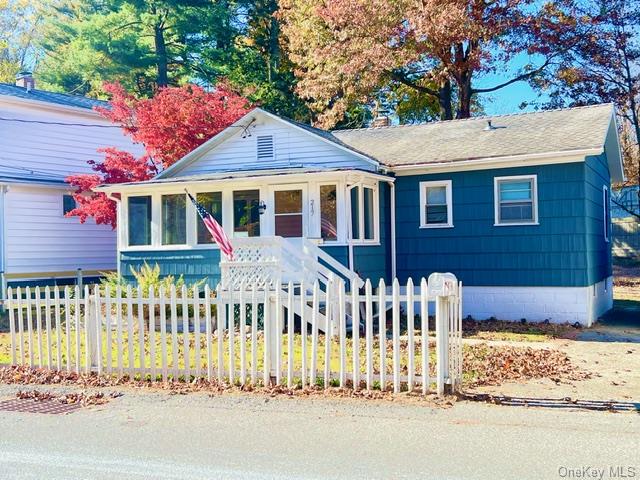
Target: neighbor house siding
x=553 y=253
x=598 y=250
x=193 y=265
x=292 y=148
x=39 y=239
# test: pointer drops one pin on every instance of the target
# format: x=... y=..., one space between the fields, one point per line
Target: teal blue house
x=516 y=206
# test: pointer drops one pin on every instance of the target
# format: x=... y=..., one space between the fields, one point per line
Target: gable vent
x=265 y=147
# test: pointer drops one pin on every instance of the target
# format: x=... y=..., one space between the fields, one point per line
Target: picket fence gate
x=247 y=335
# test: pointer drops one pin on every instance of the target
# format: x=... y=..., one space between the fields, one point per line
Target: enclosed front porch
x=346 y=213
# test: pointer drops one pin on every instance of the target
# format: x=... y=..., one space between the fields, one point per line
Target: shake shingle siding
x=599 y=252
x=553 y=253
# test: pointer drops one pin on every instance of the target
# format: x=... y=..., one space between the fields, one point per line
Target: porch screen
x=212 y=201
x=328 y=212
x=246 y=216
x=174 y=219
x=139 y=219
x=288 y=213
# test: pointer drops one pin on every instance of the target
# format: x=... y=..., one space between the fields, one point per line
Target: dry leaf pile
x=72 y=398
x=491 y=365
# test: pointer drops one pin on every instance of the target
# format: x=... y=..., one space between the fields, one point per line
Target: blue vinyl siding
x=194 y=265
x=553 y=253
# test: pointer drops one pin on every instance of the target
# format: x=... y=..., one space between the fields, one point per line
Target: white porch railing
x=247 y=335
x=265 y=260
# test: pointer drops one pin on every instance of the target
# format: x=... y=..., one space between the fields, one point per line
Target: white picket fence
x=247 y=335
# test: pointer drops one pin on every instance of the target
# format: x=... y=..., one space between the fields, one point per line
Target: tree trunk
x=444 y=98
x=161 y=56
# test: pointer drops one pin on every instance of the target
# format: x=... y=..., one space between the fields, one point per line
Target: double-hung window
x=516 y=200
x=364 y=213
x=436 y=210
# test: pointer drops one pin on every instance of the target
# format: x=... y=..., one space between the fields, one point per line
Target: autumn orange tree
x=169 y=125
x=346 y=51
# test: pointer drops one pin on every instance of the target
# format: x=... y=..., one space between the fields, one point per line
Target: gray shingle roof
x=533 y=133
x=64 y=99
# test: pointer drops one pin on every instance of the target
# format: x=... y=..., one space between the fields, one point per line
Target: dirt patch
x=626 y=282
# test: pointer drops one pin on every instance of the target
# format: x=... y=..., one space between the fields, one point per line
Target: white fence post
x=442 y=350
x=91 y=326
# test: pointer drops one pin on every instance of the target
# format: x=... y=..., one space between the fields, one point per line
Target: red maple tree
x=169 y=125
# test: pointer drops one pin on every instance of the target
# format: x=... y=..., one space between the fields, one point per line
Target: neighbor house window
x=606 y=205
x=68 y=204
x=212 y=201
x=246 y=214
x=174 y=219
x=364 y=213
x=328 y=212
x=516 y=200
x=436 y=210
x=139 y=220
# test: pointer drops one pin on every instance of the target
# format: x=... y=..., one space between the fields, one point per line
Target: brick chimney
x=381 y=121
x=25 y=80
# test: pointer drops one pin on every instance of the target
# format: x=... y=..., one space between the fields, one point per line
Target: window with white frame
x=516 y=200
x=139 y=220
x=436 y=209
x=68 y=204
x=174 y=219
x=364 y=213
x=212 y=202
x=606 y=206
x=329 y=212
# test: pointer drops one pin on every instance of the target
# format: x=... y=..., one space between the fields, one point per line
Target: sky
x=509 y=99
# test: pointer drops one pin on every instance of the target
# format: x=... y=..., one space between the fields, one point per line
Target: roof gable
x=294 y=145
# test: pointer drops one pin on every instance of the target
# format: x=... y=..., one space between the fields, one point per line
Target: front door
x=289 y=211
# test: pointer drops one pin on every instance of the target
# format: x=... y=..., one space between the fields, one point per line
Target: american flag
x=215 y=229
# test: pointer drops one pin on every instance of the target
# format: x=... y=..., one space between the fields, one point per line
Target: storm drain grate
x=27 y=405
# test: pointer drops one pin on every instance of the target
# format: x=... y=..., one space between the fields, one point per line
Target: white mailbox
x=442 y=285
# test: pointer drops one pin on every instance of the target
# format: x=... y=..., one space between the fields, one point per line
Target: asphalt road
x=161 y=436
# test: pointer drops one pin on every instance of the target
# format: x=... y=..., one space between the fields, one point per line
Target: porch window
x=364 y=214
x=174 y=219
x=288 y=213
x=328 y=212
x=516 y=200
x=246 y=215
x=436 y=204
x=139 y=220
x=212 y=201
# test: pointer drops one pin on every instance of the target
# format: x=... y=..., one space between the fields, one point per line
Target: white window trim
x=496 y=200
x=606 y=207
x=423 y=203
x=376 y=214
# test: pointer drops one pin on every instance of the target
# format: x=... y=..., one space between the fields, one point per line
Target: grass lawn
x=110 y=352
